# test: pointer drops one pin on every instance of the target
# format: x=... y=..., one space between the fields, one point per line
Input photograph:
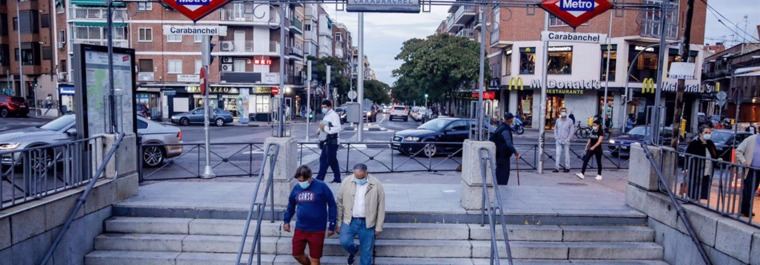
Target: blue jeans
x=366 y=239
x=329 y=158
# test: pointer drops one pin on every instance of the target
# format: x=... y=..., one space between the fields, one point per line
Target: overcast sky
x=385 y=33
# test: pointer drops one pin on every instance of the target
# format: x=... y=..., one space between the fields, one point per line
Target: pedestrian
x=572 y=117
x=313 y=205
x=563 y=133
x=505 y=148
x=748 y=155
x=593 y=148
x=361 y=212
x=700 y=169
x=630 y=122
x=48 y=103
x=329 y=128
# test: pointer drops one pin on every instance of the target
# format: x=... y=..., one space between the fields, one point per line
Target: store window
x=175 y=66
x=613 y=62
x=527 y=61
x=645 y=65
x=145 y=65
x=507 y=63
x=560 y=60
x=262 y=103
x=145 y=35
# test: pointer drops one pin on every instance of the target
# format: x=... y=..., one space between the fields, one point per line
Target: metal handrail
x=677 y=204
x=485 y=161
x=271 y=153
x=82 y=199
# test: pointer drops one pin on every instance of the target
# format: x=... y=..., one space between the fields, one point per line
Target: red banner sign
x=576 y=12
x=195 y=9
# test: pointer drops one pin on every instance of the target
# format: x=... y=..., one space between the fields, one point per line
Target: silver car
x=161 y=141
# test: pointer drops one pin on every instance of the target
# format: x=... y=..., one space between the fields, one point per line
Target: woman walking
x=593 y=148
x=700 y=168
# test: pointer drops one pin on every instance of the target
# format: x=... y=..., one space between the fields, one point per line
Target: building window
x=5 y=59
x=29 y=21
x=145 y=65
x=15 y=23
x=613 y=62
x=45 y=21
x=645 y=65
x=173 y=38
x=560 y=60
x=144 y=6
x=651 y=18
x=62 y=39
x=338 y=36
x=307 y=27
x=496 y=21
x=197 y=38
x=527 y=61
x=63 y=67
x=175 y=66
x=47 y=53
x=507 y=63
x=30 y=53
x=145 y=35
x=554 y=21
x=198 y=65
x=3 y=25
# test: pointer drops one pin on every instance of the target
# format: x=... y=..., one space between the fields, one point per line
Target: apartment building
x=325 y=34
x=577 y=71
x=341 y=47
x=27 y=40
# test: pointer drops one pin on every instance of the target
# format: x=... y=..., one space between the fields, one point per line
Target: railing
x=715 y=184
x=296 y=23
x=260 y=207
x=36 y=172
x=241 y=159
x=83 y=197
x=486 y=162
x=665 y=188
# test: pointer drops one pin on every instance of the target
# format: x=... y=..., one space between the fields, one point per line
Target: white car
x=420 y=113
x=399 y=112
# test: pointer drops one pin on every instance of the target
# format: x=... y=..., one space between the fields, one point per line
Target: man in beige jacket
x=748 y=154
x=361 y=211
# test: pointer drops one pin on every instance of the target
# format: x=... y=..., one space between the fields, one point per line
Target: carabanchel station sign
x=195 y=9
x=576 y=12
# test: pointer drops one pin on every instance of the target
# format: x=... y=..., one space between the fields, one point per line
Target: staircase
x=185 y=237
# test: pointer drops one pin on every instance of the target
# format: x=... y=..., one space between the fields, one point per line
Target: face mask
x=324 y=110
x=563 y=114
x=707 y=136
x=596 y=128
x=304 y=184
x=360 y=182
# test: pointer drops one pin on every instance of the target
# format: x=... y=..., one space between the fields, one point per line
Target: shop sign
x=262 y=90
x=573 y=37
x=188 y=78
x=170 y=93
x=66 y=89
x=195 y=9
x=487 y=95
x=681 y=70
x=212 y=90
x=386 y=6
x=567 y=87
x=516 y=83
x=270 y=78
x=576 y=12
x=275 y=90
x=200 y=30
x=263 y=60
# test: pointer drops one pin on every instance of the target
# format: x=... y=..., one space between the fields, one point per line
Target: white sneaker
x=580 y=175
x=598 y=177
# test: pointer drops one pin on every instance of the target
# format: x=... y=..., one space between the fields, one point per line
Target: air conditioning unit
x=226 y=59
x=227 y=67
x=62 y=76
x=227 y=46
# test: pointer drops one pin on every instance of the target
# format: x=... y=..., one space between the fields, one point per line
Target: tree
x=338 y=73
x=437 y=65
x=377 y=91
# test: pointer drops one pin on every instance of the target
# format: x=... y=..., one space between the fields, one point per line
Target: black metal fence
x=32 y=173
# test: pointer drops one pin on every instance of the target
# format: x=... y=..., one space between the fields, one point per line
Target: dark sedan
x=448 y=133
x=639 y=134
x=724 y=141
x=218 y=117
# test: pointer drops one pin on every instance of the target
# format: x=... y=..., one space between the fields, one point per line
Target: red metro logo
x=576 y=12
x=195 y=9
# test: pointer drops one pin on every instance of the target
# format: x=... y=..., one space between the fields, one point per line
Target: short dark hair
x=361 y=167
x=327 y=103
x=703 y=127
x=303 y=171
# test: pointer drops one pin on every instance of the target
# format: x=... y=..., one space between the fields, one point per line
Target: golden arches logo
x=648 y=86
x=515 y=83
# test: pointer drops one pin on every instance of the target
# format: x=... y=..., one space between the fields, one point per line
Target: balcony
x=295 y=49
x=96 y=13
x=310 y=12
x=464 y=14
x=235 y=14
x=296 y=80
x=296 y=25
x=247 y=48
x=452 y=27
x=467 y=33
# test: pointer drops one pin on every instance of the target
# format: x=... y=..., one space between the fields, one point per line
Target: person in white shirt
x=329 y=128
x=361 y=212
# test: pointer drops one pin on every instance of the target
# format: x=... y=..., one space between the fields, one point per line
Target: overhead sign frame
x=576 y=12
x=195 y=9
x=383 y=6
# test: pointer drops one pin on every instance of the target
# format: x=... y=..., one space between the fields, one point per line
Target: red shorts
x=316 y=241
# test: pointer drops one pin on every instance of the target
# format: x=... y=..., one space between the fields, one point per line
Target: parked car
x=451 y=131
x=399 y=112
x=10 y=105
x=622 y=144
x=420 y=114
x=164 y=139
x=342 y=114
x=218 y=117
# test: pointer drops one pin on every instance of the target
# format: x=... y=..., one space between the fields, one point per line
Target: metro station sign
x=576 y=12
x=195 y=9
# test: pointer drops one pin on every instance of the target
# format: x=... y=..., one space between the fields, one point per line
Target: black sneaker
x=566 y=170
x=555 y=170
x=334 y=181
x=350 y=259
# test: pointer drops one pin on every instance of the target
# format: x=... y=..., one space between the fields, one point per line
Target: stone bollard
x=472 y=181
x=285 y=167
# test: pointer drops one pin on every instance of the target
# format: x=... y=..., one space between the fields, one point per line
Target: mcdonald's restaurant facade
x=577 y=79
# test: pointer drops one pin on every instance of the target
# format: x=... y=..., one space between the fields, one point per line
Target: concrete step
x=387 y=248
x=177 y=258
x=408 y=231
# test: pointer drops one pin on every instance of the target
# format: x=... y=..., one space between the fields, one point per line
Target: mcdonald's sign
x=516 y=83
x=648 y=86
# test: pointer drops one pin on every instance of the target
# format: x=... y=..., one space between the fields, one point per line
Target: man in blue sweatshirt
x=315 y=211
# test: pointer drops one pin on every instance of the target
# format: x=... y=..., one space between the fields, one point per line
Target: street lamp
x=426 y=96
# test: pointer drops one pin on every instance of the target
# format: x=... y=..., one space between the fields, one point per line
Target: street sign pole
x=360 y=76
x=481 y=74
x=205 y=58
x=281 y=101
x=655 y=136
x=328 y=69
x=308 y=98
x=607 y=74
x=542 y=102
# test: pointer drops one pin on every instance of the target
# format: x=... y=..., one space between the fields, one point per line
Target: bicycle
x=582 y=132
